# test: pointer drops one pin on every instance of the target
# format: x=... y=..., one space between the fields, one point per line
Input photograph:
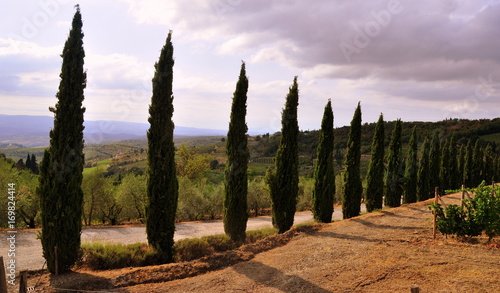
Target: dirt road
x=29 y=250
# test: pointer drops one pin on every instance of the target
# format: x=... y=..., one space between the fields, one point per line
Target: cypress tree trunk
x=395 y=172
x=353 y=189
x=410 y=182
x=162 y=180
x=324 y=173
x=235 y=179
x=376 y=168
x=61 y=196
x=284 y=180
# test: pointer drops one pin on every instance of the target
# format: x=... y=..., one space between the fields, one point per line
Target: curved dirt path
x=387 y=251
x=29 y=255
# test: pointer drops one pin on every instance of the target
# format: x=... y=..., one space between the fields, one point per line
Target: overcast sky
x=415 y=60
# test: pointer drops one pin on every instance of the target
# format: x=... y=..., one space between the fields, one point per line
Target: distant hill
x=33 y=131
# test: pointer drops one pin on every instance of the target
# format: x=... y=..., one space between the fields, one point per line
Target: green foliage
x=305 y=195
x=256 y=235
x=132 y=196
x=478 y=214
x=284 y=179
x=190 y=164
x=62 y=165
x=434 y=162
x=98 y=196
x=376 y=169
x=394 y=179
x=191 y=248
x=236 y=177
x=324 y=173
x=162 y=185
x=423 y=182
x=411 y=175
x=353 y=188
x=258 y=196
x=97 y=256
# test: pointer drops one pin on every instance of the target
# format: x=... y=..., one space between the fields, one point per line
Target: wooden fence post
x=3 y=277
x=23 y=282
x=436 y=196
x=414 y=289
x=56 y=265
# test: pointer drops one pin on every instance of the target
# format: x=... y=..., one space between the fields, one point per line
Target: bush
x=220 y=243
x=256 y=235
x=478 y=214
x=191 y=248
x=99 y=256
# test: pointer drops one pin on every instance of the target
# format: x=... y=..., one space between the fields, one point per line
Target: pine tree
x=353 y=189
x=376 y=169
x=395 y=174
x=235 y=179
x=434 y=162
x=162 y=179
x=411 y=171
x=444 y=171
x=324 y=173
x=423 y=184
x=284 y=180
x=62 y=166
x=467 y=171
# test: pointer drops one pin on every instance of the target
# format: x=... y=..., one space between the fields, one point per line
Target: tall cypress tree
x=324 y=173
x=411 y=171
x=162 y=180
x=28 y=164
x=488 y=165
x=423 y=184
x=461 y=165
x=477 y=165
x=434 y=162
x=395 y=173
x=444 y=171
x=34 y=164
x=376 y=168
x=353 y=189
x=235 y=179
x=284 y=179
x=454 y=174
x=61 y=196
x=469 y=154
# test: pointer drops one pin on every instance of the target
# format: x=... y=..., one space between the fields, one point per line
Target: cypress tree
x=469 y=156
x=454 y=174
x=434 y=162
x=324 y=173
x=61 y=196
x=235 y=179
x=34 y=164
x=444 y=171
x=461 y=165
x=376 y=168
x=284 y=180
x=395 y=173
x=477 y=165
x=353 y=189
x=28 y=164
x=423 y=184
x=162 y=180
x=411 y=171
x=488 y=165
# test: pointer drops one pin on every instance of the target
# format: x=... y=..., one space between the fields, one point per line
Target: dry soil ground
x=387 y=251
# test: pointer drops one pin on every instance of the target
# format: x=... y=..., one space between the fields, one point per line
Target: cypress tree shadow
x=272 y=277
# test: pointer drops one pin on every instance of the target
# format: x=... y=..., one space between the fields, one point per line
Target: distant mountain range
x=33 y=131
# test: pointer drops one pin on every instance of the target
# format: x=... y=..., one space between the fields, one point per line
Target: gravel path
x=29 y=249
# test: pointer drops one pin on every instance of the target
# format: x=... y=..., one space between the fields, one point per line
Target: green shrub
x=256 y=235
x=220 y=242
x=191 y=248
x=99 y=256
